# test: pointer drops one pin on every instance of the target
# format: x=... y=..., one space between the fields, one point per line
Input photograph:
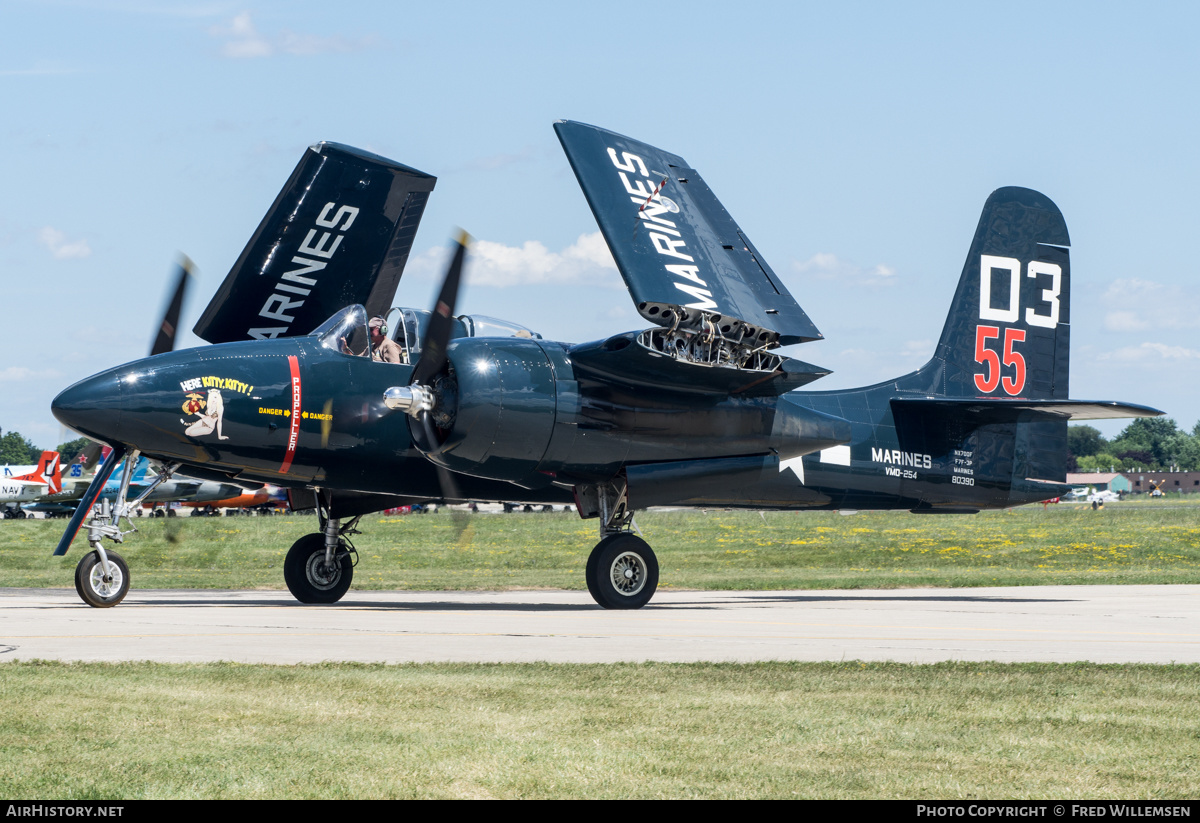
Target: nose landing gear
x=102 y=577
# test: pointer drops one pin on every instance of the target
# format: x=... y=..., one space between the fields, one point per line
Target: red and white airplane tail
x=48 y=471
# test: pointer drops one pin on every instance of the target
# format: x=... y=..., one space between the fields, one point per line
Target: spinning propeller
x=418 y=398
x=437 y=338
x=164 y=342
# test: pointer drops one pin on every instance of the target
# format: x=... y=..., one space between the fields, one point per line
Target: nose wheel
x=99 y=587
x=622 y=572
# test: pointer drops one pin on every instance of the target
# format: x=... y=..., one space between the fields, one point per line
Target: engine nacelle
x=502 y=409
x=522 y=411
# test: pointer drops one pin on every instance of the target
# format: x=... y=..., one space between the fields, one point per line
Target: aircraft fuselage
x=294 y=413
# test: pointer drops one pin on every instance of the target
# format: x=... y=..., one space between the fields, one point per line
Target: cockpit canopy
x=348 y=329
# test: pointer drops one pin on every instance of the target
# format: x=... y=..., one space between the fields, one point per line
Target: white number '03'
x=1012 y=312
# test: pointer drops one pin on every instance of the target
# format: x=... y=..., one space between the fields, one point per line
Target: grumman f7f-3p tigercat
x=700 y=409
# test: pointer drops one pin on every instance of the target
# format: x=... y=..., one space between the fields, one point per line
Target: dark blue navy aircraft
x=700 y=409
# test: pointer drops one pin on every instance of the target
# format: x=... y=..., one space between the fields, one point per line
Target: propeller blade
x=165 y=341
x=89 y=498
x=459 y=519
x=437 y=336
x=427 y=424
x=445 y=479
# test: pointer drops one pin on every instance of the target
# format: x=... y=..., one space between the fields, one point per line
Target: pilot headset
x=380 y=323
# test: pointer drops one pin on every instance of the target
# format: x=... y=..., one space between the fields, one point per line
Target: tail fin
x=48 y=471
x=1008 y=334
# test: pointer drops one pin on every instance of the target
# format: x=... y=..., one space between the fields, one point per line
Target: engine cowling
x=497 y=409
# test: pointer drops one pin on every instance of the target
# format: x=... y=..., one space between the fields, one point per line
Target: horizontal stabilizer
x=1004 y=408
x=339 y=233
x=678 y=249
x=624 y=360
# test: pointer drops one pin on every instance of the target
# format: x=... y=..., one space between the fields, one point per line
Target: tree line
x=1146 y=444
x=16 y=450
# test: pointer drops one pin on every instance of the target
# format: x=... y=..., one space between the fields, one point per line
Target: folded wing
x=339 y=233
x=686 y=262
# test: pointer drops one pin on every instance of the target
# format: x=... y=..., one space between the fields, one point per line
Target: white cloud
x=917 y=348
x=243 y=40
x=304 y=45
x=587 y=260
x=1140 y=305
x=16 y=373
x=1131 y=287
x=1151 y=352
x=56 y=242
x=1124 y=321
x=827 y=266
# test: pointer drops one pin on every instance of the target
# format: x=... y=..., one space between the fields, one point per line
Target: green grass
x=1143 y=542
x=834 y=730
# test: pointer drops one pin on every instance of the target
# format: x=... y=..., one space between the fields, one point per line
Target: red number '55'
x=987 y=381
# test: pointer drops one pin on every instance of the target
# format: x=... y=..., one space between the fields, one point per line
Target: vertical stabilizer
x=48 y=471
x=1008 y=332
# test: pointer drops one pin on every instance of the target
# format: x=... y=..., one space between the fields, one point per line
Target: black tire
x=93 y=588
x=307 y=578
x=622 y=572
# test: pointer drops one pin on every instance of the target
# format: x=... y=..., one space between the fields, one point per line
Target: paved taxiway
x=1104 y=624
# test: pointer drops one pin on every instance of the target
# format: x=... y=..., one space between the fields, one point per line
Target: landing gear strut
x=102 y=577
x=319 y=567
x=622 y=571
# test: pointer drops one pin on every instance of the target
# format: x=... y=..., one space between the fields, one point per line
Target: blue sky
x=855 y=143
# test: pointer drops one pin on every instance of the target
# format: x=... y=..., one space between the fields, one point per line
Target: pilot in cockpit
x=383 y=348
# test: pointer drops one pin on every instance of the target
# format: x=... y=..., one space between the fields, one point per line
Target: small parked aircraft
x=45 y=479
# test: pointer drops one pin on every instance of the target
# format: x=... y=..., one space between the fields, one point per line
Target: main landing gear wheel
x=308 y=577
x=97 y=589
x=622 y=572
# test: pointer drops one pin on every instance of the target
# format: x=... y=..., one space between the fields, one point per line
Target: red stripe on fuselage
x=294 y=433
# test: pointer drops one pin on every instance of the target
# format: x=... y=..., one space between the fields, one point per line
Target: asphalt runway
x=1102 y=624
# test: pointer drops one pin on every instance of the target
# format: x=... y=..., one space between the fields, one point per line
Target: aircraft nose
x=92 y=407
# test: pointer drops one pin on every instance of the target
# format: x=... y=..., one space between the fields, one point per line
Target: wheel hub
x=105 y=585
x=628 y=573
x=323 y=576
